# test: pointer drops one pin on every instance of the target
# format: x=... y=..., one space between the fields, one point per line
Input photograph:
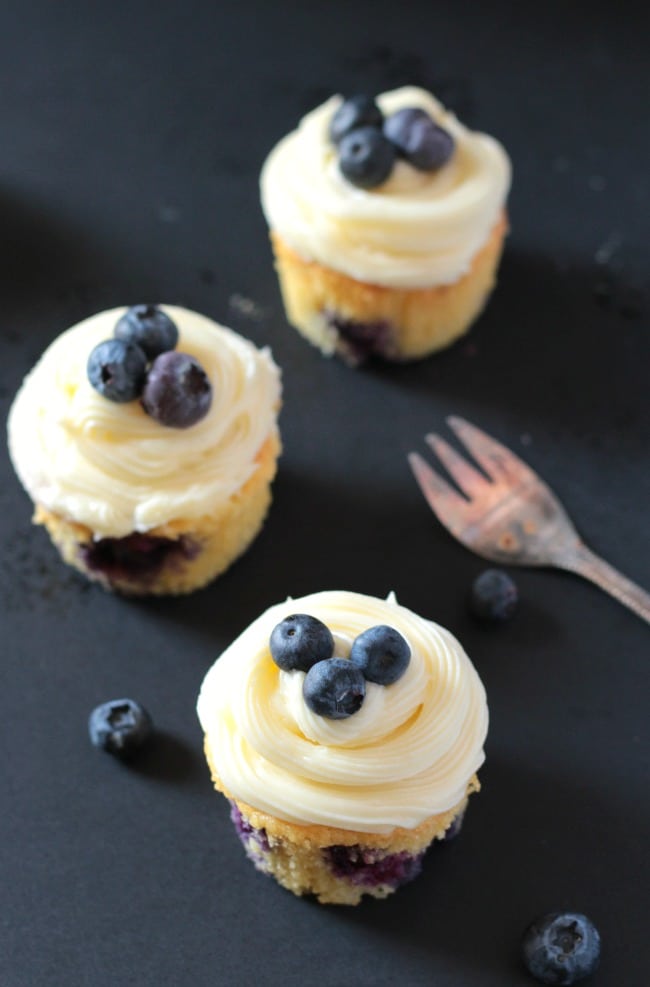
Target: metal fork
x=509 y=515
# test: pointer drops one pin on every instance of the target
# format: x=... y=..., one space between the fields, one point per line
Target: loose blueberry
x=356 y=111
x=149 y=327
x=493 y=596
x=366 y=157
x=381 y=654
x=177 y=392
x=561 y=948
x=117 y=370
x=299 y=641
x=120 y=727
x=417 y=138
x=334 y=688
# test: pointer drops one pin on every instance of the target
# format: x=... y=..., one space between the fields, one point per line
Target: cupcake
x=346 y=732
x=387 y=221
x=147 y=439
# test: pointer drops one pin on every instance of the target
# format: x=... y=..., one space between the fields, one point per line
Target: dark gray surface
x=132 y=138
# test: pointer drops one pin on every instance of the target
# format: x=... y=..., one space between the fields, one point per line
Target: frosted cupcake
x=387 y=221
x=346 y=731
x=147 y=439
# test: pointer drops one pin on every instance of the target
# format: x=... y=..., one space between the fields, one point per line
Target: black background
x=132 y=136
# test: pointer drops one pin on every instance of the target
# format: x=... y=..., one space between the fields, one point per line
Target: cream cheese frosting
x=112 y=467
x=408 y=753
x=417 y=230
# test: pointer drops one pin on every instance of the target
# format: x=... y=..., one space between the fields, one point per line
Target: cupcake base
x=338 y=866
x=355 y=320
x=177 y=557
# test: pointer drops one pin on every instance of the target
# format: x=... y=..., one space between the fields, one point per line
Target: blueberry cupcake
x=346 y=732
x=387 y=220
x=147 y=440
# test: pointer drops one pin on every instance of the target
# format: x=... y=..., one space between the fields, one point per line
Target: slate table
x=132 y=138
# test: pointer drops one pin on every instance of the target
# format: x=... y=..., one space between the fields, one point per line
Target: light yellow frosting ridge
x=111 y=466
x=407 y=754
x=417 y=230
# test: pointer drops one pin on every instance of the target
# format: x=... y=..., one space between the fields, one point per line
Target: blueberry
x=454 y=827
x=561 y=948
x=381 y=653
x=493 y=596
x=369 y=867
x=356 y=111
x=366 y=157
x=334 y=688
x=299 y=641
x=417 y=138
x=149 y=327
x=117 y=370
x=177 y=391
x=120 y=727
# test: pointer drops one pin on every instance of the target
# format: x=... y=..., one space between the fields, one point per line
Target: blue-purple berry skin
x=117 y=369
x=358 y=341
x=381 y=654
x=334 y=688
x=120 y=727
x=359 y=110
x=370 y=867
x=299 y=641
x=454 y=828
x=137 y=557
x=177 y=391
x=366 y=157
x=418 y=139
x=247 y=832
x=561 y=948
x=494 y=596
x=149 y=327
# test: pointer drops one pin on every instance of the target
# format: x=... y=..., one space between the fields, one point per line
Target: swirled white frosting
x=114 y=468
x=417 y=230
x=408 y=753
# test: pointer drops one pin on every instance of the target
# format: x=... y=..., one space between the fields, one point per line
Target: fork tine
x=497 y=461
x=440 y=496
x=468 y=479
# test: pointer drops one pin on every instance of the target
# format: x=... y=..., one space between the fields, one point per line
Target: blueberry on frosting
x=299 y=641
x=334 y=688
x=356 y=111
x=368 y=144
x=419 y=140
x=149 y=327
x=116 y=369
x=141 y=361
x=381 y=653
x=177 y=392
x=366 y=157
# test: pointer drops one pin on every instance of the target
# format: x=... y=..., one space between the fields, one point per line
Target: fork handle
x=585 y=563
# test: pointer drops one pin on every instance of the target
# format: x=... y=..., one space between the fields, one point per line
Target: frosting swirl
x=416 y=230
x=407 y=754
x=112 y=467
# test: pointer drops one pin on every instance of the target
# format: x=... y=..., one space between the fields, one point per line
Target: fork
x=509 y=515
